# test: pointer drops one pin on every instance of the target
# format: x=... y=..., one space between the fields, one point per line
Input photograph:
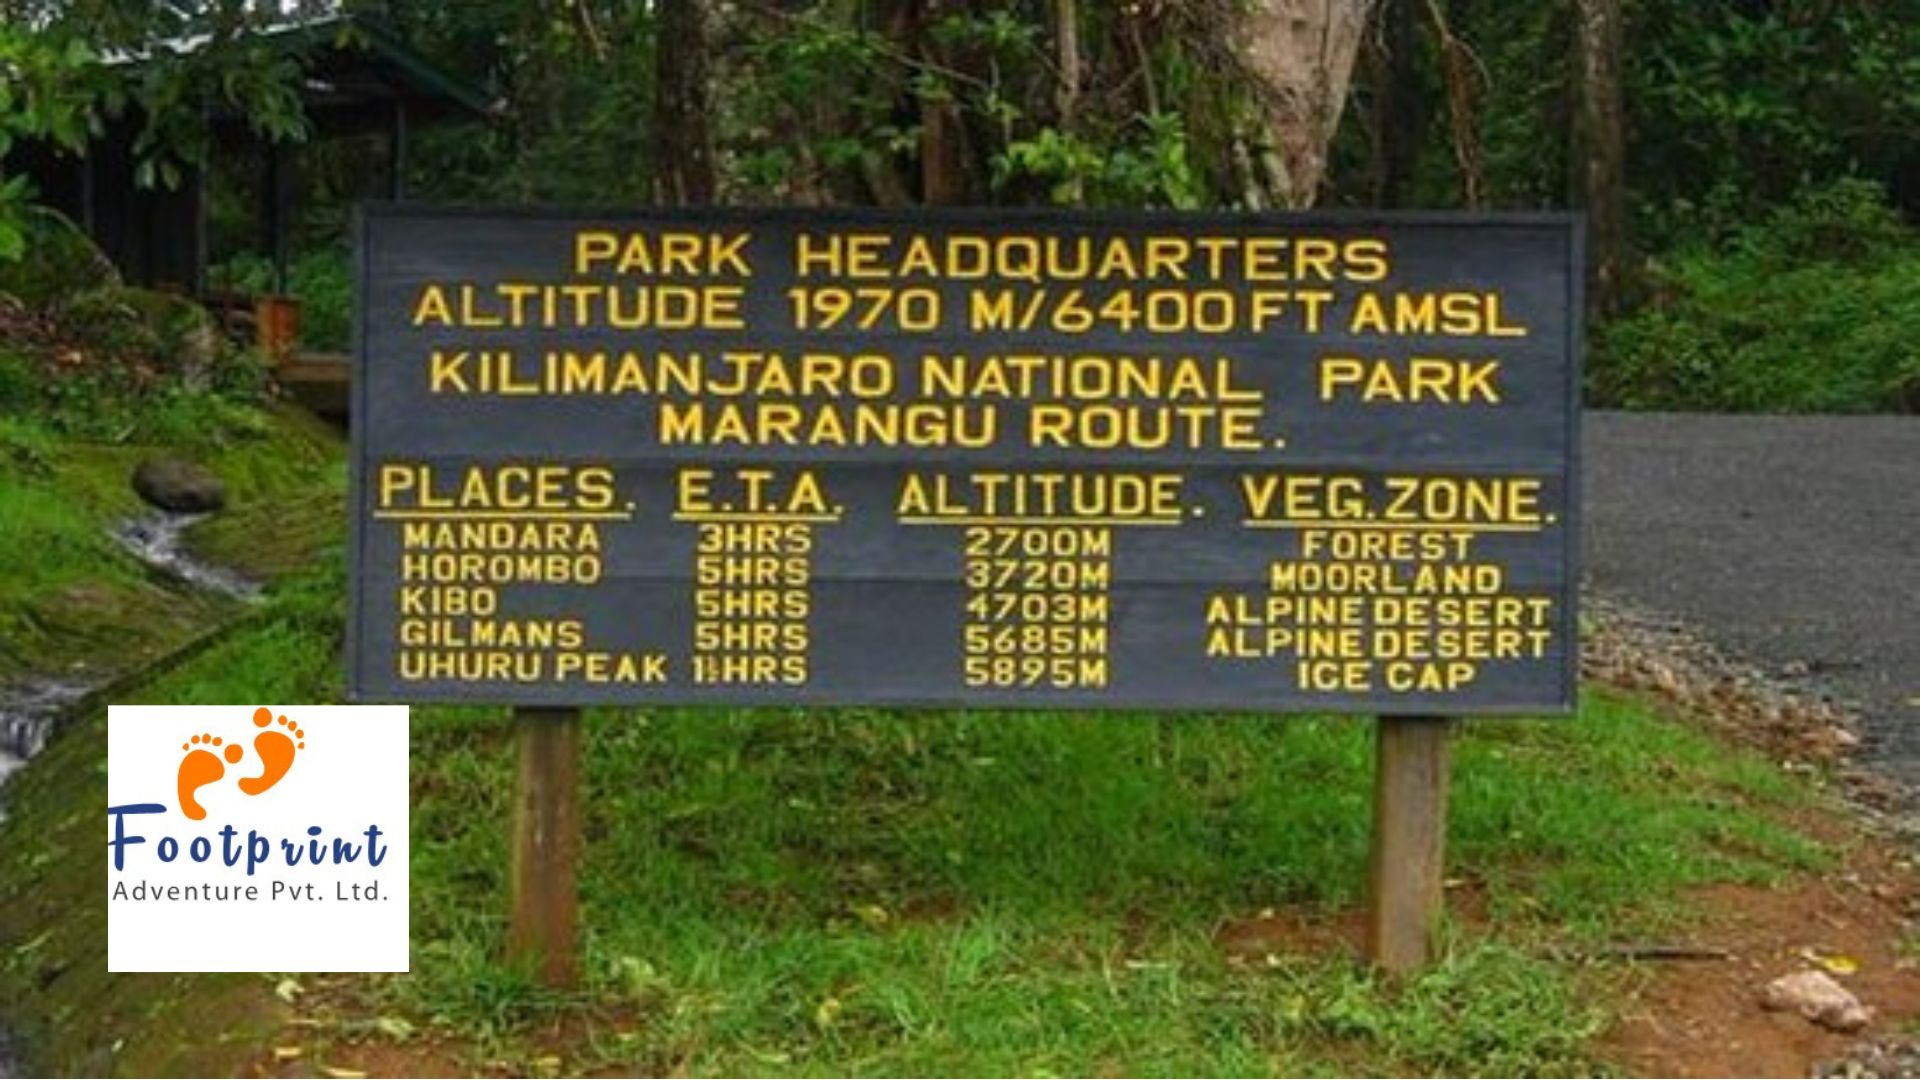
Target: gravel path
x=1792 y=541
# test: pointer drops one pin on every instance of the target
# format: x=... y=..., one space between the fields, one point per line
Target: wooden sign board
x=965 y=458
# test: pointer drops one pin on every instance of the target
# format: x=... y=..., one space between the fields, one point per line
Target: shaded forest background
x=1752 y=166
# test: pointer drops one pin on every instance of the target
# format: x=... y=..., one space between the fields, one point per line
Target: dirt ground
x=1695 y=1011
x=1702 y=1016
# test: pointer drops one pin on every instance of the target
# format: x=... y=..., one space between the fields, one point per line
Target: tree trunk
x=682 y=142
x=1398 y=111
x=1066 y=49
x=942 y=181
x=1066 y=98
x=1302 y=54
x=1599 y=158
x=1461 y=74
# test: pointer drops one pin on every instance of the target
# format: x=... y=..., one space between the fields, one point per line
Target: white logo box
x=345 y=789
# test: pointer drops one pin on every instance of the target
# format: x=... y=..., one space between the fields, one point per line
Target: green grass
x=1031 y=893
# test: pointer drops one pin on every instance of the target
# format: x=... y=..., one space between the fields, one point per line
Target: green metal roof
x=345 y=34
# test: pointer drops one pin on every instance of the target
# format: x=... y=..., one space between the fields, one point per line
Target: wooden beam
x=397 y=152
x=546 y=843
x=276 y=210
x=1406 y=900
x=197 y=280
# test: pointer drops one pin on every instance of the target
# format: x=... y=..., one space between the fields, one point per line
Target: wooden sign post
x=978 y=459
x=546 y=843
x=1408 y=860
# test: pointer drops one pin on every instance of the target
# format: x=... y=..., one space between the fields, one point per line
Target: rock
x=1890 y=1057
x=174 y=484
x=1814 y=995
x=60 y=262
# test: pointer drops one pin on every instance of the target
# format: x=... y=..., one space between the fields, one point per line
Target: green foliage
x=322 y=280
x=835 y=891
x=1816 y=308
x=818 y=104
x=127 y=376
x=64 y=261
x=73 y=604
x=71 y=600
x=1733 y=108
x=50 y=86
x=1740 y=106
x=578 y=82
x=100 y=360
x=175 y=91
x=169 y=332
x=109 y=406
x=56 y=87
x=1487 y=1009
x=814 y=103
x=1013 y=893
x=1154 y=171
x=50 y=540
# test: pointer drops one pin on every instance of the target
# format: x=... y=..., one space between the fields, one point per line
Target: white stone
x=1814 y=995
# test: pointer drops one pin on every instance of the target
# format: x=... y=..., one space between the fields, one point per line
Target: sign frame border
x=1574 y=223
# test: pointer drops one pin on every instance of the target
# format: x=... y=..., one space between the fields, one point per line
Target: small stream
x=27 y=716
x=155 y=540
x=31 y=711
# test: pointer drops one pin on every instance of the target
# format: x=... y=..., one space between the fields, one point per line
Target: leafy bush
x=321 y=280
x=163 y=332
x=58 y=260
x=19 y=382
x=109 y=404
x=1153 y=170
x=1736 y=106
x=120 y=364
x=1814 y=309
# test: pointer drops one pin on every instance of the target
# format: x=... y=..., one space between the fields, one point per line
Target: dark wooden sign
x=1301 y=462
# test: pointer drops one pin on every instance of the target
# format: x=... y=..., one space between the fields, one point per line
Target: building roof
x=352 y=64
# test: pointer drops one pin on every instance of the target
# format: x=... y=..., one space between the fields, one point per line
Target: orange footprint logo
x=276 y=749
x=202 y=767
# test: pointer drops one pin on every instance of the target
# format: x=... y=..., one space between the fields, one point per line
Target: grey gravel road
x=1787 y=540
